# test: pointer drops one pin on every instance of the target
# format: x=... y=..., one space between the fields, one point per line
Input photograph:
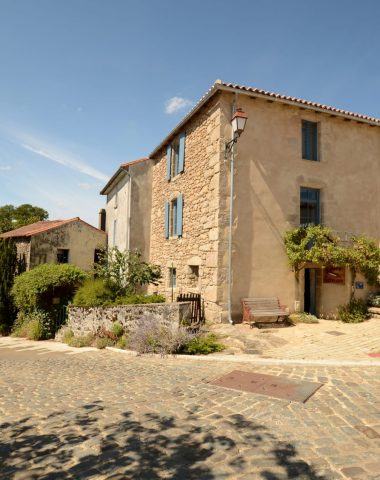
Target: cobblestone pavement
x=305 y=341
x=104 y=415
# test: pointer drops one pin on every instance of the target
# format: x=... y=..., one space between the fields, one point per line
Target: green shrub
x=374 y=300
x=139 y=299
x=117 y=329
x=67 y=335
x=81 y=341
x=93 y=293
x=122 y=343
x=34 y=329
x=202 y=345
x=4 y=329
x=104 y=342
x=353 y=312
x=35 y=325
x=303 y=317
x=37 y=287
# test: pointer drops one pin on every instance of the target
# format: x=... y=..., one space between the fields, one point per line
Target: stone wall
x=198 y=248
x=85 y=320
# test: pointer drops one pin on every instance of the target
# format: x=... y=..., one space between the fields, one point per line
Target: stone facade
x=197 y=251
x=85 y=320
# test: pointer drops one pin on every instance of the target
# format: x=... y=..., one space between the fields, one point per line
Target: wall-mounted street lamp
x=238 y=121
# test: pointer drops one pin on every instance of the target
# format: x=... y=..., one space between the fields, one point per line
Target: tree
x=124 y=271
x=12 y=217
x=10 y=266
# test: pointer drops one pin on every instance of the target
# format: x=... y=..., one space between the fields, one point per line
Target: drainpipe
x=233 y=108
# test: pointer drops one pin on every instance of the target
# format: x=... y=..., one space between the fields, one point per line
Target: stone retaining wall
x=85 y=320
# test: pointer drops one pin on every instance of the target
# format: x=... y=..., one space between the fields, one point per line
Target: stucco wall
x=268 y=176
x=79 y=238
x=199 y=184
x=117 y=209
x=85 y=320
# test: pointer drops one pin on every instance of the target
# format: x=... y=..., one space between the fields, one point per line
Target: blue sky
x=88 y=84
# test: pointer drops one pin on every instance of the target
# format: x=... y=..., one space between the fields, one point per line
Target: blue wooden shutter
x=167 y=211
x=168 y=162
x=179 y=215
x=181 y=159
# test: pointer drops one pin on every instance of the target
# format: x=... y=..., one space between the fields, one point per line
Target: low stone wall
x=85 y=320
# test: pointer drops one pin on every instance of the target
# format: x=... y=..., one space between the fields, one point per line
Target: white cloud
x=175 y=104
x=88 y=186
x=57 y=155
x=5 y=168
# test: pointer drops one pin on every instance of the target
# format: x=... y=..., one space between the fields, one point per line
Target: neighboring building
x=58 y=241
x=297 y=162
x=129 y=204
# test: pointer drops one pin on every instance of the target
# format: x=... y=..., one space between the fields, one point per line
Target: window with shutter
x=309 y=206
x=175 y=157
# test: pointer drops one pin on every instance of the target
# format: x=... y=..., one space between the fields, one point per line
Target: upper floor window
x=172 y=277
x=309 y=140
x=175 y=159
x=173 y=217
x=309 y=206
x=114 y=233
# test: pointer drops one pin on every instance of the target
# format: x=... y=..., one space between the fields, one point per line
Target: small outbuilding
x=58 y=241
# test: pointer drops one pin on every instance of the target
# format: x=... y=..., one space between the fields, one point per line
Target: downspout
x=129 y=211
x=233 y=109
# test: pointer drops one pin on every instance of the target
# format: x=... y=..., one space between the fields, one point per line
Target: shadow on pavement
x=90 y=442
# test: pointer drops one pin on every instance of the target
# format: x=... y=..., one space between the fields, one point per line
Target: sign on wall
x=335 y=275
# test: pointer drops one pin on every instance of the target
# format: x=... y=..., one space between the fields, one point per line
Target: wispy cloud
x=5 y=168
x=175 y=104
x=88 y=186
x=58 y=155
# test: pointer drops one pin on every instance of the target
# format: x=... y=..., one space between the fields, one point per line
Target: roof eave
x=110 y=184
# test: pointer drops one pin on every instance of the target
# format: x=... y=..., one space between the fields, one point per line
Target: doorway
x=310 y=293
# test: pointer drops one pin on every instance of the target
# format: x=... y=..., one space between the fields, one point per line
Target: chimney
x=102 y=219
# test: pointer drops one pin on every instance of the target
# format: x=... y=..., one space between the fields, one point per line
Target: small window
x=310 y=140
x=116 y=199
x=62 y=255
x=114 y=233
x=172 y=277
x=173 y=217
x=194 y=276
x=309 y=206
x=175 y=157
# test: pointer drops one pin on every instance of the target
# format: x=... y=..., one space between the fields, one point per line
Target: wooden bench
x=256 y=308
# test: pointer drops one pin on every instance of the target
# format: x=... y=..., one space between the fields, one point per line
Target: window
x=175 y=157
x=116 y=199
x=62 y=255
x=309 y=206
x=194 y=276
x=114 y=233
x=172 y=277
x=309 y=140
x=173 y=217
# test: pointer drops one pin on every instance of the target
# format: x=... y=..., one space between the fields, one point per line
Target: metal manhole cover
x=334 y=332
x=271 y=385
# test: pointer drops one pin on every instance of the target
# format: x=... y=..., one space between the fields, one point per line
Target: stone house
x=58 y=241
x=297 y=162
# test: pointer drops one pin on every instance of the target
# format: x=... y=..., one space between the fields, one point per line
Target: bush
x=35 y=325
x=122 y=343
x=353 y=312
x=67 y=336
x=117 y=329
x=104 y=342
x=93 y=293
x=81 y=341
x=303 y=317
x=37 y=287
x=374 y=300
x=202 y=345
x=150 y=336
x=139 y=299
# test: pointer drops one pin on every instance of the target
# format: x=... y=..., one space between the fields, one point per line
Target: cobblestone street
x=103 y=415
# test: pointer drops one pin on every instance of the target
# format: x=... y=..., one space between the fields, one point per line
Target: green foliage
x=124 y=271
x=10 y=266
x=67 y=336
x=117 y=329
x=37 y=287
x=303 y=317
x=104 y=342
x=364 y=256
x=12 y=217
x=93 y=293
x=353 y=312
x=122 y=343
x=139 y=299
x=202 y=345
x=374 y=300
x=81 y=341
x=34 y=325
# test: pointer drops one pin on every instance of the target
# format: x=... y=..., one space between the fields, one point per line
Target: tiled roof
x=306 y=103
x=133 y=162
x=253 y=91
x=123 y=167
x=42 y=226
